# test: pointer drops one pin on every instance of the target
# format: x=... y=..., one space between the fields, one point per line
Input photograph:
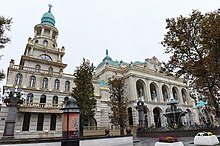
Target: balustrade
x=30 y=69
x=42 y=105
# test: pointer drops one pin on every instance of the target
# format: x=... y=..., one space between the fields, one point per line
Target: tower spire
x=106 y=52
x=50 y=6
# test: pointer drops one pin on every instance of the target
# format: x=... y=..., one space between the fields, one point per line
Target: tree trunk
x=81 y=131
x=122 y=130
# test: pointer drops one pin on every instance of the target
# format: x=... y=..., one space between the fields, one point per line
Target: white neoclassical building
x=46 y=87
x=144 y=79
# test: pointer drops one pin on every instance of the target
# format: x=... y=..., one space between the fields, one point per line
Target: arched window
x=40 y=122
x=56 y=84
x=45 y=43
x=26 y=122
x=165 y=93
x=55 y=100
x=67 y=86
x=65 y=100
x=45 y=57
x=32 y=81
x=50 y=70
x=45 y=83
x=29 y=98
x=43 y=99
x=175 y=93
x=18 y=79
x=53 y=121
x=153 y=92
x=157 y=118
x=184 y=95
x=37 y=68
x=36 y=42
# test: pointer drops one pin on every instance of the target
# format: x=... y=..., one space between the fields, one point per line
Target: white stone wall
x=147 y=76
x=128 y=141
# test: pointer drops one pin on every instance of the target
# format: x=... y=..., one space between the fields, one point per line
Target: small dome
x=48 y=18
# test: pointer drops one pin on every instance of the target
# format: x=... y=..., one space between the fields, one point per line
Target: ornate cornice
x=36 y=60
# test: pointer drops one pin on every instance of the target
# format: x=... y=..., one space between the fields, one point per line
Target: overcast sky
x=130 y=29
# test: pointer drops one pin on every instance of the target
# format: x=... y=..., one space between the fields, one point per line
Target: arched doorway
x=130 y=117
x=157 y=119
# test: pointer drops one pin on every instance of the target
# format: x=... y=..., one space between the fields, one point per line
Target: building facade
x=145 y=80
x=46 y=87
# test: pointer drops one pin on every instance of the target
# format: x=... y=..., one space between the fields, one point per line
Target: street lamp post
x=13 y=99
x=71 y=123
x=141 y=107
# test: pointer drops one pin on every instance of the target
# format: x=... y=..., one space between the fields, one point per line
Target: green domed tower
x=45 y=33
x=48 y=17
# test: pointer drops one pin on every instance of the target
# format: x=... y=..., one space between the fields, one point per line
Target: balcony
x=39 y=71
x=32 y=107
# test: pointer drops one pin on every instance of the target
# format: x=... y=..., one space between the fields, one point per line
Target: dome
x=48 y=18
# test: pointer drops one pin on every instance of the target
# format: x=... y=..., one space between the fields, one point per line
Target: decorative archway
x=175 y=93
x=165 y=91
x=154 y=91
x=184 y=96
x=140 y=87
x=157 y=118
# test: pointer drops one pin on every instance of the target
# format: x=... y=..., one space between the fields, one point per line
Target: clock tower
x=42 y=52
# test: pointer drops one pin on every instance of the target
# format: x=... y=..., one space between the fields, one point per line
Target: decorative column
x=148 y=91
x=42 y=31
x=160 y=94
x=51 y=32
x=180 y=95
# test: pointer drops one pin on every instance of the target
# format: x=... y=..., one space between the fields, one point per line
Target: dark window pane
x=53 y=122
x=26 y=122
x=40 y=122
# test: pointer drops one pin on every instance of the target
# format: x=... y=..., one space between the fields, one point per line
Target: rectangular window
x=40 y=122
x=26 y=122
x=53 y=120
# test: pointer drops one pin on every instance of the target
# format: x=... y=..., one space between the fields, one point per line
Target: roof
x=48 y=17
